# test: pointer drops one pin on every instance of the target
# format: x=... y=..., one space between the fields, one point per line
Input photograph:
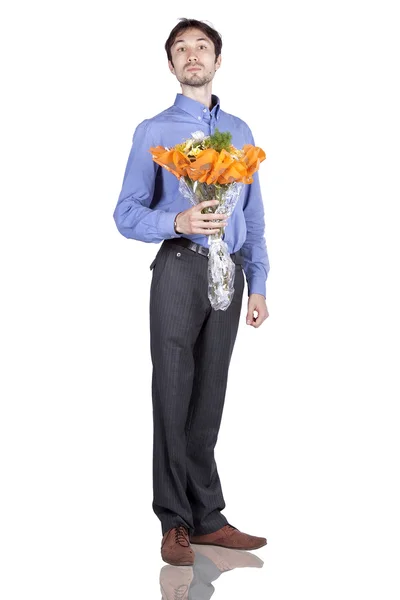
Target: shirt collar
x=197 y=109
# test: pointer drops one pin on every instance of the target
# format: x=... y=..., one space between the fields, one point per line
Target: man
x=191 y=344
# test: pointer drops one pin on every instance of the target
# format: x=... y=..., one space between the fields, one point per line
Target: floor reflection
x=195 y=583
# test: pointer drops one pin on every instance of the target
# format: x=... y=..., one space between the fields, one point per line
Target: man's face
x=193 y=58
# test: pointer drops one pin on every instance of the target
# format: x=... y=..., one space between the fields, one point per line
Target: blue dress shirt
x=150 y=199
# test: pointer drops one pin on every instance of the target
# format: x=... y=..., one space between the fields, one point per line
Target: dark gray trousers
x=191 y=348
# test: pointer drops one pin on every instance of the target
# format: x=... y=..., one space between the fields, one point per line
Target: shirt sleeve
x=255 y=256
x=133 y=217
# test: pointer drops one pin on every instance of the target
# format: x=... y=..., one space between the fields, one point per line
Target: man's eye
x=181 y=48
x=203 y=46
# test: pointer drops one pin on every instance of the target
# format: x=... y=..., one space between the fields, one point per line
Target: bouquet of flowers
x=208 y=168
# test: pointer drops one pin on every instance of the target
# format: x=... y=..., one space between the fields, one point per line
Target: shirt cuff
x=257 y=286
x=166 y=225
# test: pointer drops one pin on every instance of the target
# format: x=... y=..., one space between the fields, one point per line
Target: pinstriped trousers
x=191 y=348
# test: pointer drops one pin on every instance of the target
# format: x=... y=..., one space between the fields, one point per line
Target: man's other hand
x=256 y=303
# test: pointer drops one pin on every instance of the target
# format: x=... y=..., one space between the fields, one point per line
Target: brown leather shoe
x=230 y=537
x=175 y=547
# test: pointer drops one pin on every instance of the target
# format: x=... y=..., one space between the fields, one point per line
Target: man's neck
x=202 y=94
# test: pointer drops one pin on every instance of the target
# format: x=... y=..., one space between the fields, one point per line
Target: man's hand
x=192 y=220
x=256 y=303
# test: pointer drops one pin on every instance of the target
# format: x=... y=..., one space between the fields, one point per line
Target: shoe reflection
x=194 y=583
x=175 y=582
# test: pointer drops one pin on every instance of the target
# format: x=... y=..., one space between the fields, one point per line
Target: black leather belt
x=236 y=257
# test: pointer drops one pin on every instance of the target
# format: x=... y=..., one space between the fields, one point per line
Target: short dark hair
x=184 y=24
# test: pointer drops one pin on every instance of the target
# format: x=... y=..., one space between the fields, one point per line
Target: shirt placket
x=210 y=120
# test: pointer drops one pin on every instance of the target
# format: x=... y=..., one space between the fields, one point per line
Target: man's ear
x=171 y=67
x=218 y=62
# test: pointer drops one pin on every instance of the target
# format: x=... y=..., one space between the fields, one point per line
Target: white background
x=309 y=443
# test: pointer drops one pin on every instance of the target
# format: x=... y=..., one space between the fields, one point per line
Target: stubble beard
x=195 y=80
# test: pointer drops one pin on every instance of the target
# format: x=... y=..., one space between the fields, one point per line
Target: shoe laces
x=180 y=592
x=181 y=536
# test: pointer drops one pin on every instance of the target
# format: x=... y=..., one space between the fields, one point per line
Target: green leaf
x=219 y=140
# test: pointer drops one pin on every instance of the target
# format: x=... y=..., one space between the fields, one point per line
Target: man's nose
x=192 y=57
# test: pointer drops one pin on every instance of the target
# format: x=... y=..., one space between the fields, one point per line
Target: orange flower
x=211 y=166
x=237 y=171
x=253 y=156
x=223 y=162
x=172 y=160
x=199 y=169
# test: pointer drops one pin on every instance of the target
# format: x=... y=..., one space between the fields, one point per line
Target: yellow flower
x=195 y=151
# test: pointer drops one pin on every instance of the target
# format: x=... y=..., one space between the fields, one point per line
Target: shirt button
x=178 y=253
x=199 y=118
x=204 y=110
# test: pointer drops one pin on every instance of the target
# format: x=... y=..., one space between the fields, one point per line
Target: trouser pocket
x=157 y=266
